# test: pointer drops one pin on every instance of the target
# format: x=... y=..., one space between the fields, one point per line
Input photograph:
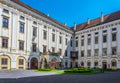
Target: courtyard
x=29 y=76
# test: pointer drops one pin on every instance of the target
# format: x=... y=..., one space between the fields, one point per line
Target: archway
x=104 y=64
x=5 y=62
x=21 y=63
x=34 y=63
x=53 y=63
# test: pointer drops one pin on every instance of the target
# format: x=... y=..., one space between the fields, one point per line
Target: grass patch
x=50 y=70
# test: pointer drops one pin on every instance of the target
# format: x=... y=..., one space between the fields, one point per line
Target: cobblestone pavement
x=111 y=77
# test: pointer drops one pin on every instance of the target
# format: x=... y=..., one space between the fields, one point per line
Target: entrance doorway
x=104 y=65
x=34 y=63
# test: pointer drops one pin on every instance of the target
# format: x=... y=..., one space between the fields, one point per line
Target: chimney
x=102 y=17
x=88 y=21
x=75 y=26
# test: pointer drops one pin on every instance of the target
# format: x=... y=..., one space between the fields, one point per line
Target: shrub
x=45 y=69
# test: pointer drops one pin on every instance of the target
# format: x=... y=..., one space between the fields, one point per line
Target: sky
x=74 y=11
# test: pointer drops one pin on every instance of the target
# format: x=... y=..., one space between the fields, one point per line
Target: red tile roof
x=38 y=12
x=97 y=21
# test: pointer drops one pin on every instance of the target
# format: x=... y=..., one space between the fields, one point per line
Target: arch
x=104 y=64
x=21 y=62
x=34 y=63
x=113 y=64
x=96 y=63
x=5 y=62
x=53 y=64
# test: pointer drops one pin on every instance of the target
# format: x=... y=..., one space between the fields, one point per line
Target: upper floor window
x=34 y=22
x=60 y=39
x=113 y=36
x=104 y=31
x=22 y=17
x=21 y=45
x=34 y=47
x=21 y=28
x=114 y=51
x=5 y=42
x=76 y=43
x=44 y=34
x=89 y=34
x=89 y=53
x=65 y=52
x=96 y=52
x=60 y=51
x=104 y=51
x=34 y=31
x=82 y=42
x=114 y=29
x=53 y=37
x=96 y=33
x=4 y=61
x=66 y=41
x=96 y=40
x=104 y=38
x=53 y=49
x=71 y=43
x=44 y=48
x=6 y=11
x=82 y=53
x=89 y=41
x=21 y=61
x=5 y=22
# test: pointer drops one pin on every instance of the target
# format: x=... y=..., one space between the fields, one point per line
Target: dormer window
x=6 y=11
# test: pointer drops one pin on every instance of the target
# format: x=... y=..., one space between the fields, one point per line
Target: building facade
x=30 y=39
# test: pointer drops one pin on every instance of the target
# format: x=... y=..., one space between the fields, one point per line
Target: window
x=34 y=22
x=114 y=51
x=65 y=52
x=82 y=53
x=96 y=52
x=22 y=17
x=4 y=61
x=53 y=49
x=34 y=31
x=6 y=11
x=82 y=64
x=5 y=42
x=89 y=41
x=34 y=47
x=96 y=40
x=104 y=38
x=88 y=64
x=114 y=29
x=44 y=34
x=22 y=27
x=44 y=48
x=71 y=43
x=66 y=41
x=96 y=63
x=96 y=33
x=60 y=51
x=89 y=34
x=5 y=22
x=104 y=51
x=76 y=43
x=104 y=31
x=89 y=53
x=53 y=37
x=82 y=42
x=113 y=36
x=21 y=61
x=114 y=64
x=21 y=45
x=60 y=39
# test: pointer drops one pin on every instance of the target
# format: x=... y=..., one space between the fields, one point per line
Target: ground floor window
x=4 y=61
x=114 y=64
x=21 y=61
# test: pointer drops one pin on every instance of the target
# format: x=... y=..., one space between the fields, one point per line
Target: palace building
x=30 y=39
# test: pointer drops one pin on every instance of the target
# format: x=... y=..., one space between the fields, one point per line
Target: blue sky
x=74 y=11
